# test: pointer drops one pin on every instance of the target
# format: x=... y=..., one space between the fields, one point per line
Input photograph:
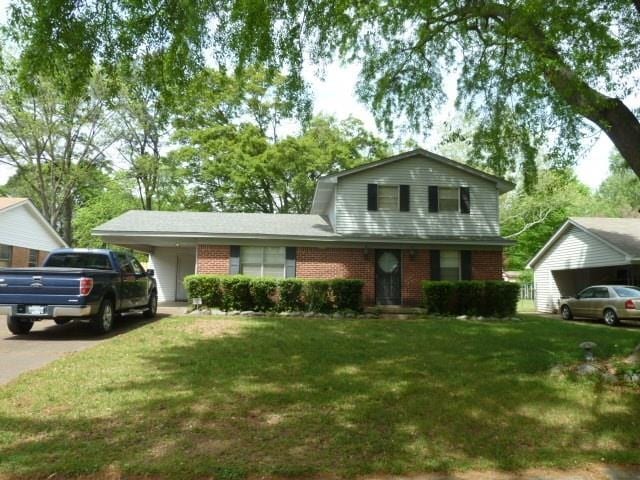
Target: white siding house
x=583 y=252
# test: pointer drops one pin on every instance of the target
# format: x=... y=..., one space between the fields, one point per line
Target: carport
x=586 y=251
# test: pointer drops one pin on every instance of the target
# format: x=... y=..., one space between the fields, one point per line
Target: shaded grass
x=189 y=398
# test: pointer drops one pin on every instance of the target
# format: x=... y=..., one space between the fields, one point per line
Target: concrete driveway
x=47 y=342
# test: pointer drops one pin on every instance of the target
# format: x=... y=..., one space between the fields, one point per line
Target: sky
x=334 y=94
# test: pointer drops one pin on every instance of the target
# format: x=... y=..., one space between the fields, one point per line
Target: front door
x=388 y=277
x=186 y=266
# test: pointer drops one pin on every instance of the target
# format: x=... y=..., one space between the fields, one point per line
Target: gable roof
x=6 y=202
x=9 y=203
x=621 y=234
x=325 y=184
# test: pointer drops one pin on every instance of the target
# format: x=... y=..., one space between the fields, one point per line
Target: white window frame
x=262 y=262
x=31 y=262
x=457 y=189
x=387 y=209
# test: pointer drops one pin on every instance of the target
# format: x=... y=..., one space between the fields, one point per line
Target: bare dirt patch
x=216 y=327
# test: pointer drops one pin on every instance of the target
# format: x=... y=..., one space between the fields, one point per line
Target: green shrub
x=206 y=287
x=316 y=295
x=487 y=298
x=237 y=293
x=290 y=292
x=263 y=292
x=347 y=294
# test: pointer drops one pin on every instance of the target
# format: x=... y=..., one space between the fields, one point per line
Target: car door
x=127 y=282
x=140 y=297
x=600 y=300
x=582 y=304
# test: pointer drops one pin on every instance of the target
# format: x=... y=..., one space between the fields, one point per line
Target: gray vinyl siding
x=575 y=249
x=331 y=212
x=20 y=227
x=352 y=216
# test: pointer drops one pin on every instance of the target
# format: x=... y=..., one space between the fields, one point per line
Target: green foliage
x=347 y=294
x=619 y=194
x=290 y=292
x=237 y=292
x=317 y=294
x=263 y=292
x=487 y=298
x=206 y=287
x=524 y=67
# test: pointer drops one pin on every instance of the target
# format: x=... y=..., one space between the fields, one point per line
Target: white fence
x=527 y=291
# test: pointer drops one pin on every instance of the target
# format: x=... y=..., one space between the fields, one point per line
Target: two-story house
x=392 y=223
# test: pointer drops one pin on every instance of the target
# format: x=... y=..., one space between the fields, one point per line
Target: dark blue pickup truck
x=91 y=285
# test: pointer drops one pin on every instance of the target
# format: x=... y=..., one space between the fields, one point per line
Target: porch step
x=395 y=310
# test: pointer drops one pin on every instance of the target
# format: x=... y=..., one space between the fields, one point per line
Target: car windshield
x=79 y=260
x=627 y=291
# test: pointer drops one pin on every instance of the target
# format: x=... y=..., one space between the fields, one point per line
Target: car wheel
x=102 y=322
x=152 y=306
x=18 y=326
x=61 y=321
x=610 y=317
x=565 y=312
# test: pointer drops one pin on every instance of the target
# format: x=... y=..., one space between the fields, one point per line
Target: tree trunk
x=67 y=217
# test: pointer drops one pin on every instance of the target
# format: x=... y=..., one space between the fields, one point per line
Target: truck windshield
x=79 y=260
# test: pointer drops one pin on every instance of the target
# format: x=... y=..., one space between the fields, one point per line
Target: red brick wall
x=486 y=265
x=19 y=257
x=416 y=267
x=314 y=262
x=213 y=259
x=41 y=256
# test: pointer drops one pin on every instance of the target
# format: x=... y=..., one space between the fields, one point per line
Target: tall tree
x=239 y=168
x=56 y=143
x=619 y=194
x=527 y=67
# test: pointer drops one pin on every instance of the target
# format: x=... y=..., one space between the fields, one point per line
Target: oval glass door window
x=388 y=262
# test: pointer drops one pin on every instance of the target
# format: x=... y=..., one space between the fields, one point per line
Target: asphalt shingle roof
x=218 y=223
x=623 y=233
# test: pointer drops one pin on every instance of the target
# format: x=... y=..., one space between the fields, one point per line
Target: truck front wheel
x=102 y=322
x=18 y=326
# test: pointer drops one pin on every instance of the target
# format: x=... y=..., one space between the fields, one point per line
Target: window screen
x=449 y=265
x=5 y=255
x=33 y=258
x=448 y=199
x=388 y=197
x=262 y=261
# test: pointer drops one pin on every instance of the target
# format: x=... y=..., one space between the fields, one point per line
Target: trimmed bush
x=290 y=292
x=347 y=294
x=263 y=292
x=206 y=287
x=237 y=292
x=316 y=295
x=487 y=298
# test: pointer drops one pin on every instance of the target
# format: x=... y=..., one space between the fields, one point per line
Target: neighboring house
x=391 y=223
x=25 y=235
x=583 y=252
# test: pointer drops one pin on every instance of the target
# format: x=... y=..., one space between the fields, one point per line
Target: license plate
x=36 y=310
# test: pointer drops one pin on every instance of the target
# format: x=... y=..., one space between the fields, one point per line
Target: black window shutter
x=435 y=264
x=465 y=200
x=433 y=198
x=372 y=196
x=465 y=264
x=404 y=198
x=290 y=263
x=234 y=260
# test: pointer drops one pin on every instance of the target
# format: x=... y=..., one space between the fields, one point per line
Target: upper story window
x=263 y=261
x=388 y=197
x=394 y=198
x=449 y=199
x=33 y=258
x=5 y=255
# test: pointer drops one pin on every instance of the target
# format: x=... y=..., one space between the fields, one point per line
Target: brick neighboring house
x=392 y=223
x=25 y=235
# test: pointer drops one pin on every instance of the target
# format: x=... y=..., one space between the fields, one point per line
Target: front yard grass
x=229 y=398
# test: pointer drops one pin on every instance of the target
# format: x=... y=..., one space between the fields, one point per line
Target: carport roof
x=623 y=234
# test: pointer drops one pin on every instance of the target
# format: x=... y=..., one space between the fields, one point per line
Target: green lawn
x=201 y=398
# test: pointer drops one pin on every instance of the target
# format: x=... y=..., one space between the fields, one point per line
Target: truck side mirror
x=151 y=272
